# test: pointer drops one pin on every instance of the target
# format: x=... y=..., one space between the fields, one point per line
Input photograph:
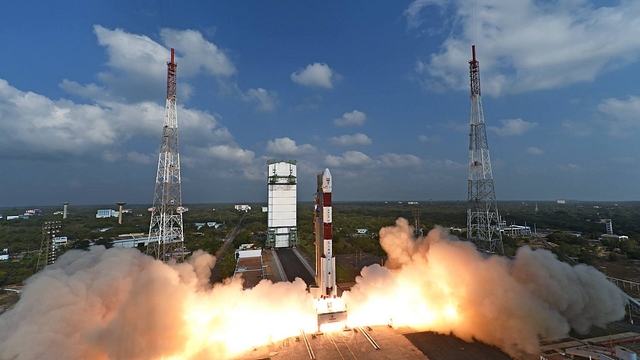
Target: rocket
x=326 y=279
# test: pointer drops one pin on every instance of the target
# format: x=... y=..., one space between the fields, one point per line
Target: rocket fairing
x=327 y=283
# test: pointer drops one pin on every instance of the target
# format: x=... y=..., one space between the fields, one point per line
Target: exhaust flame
x=121 y=304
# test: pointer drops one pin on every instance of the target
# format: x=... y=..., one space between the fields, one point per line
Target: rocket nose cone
x=326 y=173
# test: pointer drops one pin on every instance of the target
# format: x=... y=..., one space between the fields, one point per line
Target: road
x=215 y=272
x=292 y=266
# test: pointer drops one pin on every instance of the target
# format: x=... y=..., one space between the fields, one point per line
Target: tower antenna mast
x=483 y=221
x=166 y=233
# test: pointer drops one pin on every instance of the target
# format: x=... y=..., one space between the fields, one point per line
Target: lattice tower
x=166 y=233
x=483 y=221
x=47 y=255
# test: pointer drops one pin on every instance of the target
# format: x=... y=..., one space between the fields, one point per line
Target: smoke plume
x=120 y=304
x=441 y=284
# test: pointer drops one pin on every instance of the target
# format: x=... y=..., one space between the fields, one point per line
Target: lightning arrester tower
x=483 y=221
x=166 y=234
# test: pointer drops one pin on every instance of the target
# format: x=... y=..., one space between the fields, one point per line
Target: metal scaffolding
x=47 y=255
x=166 y=234
x=483 y=221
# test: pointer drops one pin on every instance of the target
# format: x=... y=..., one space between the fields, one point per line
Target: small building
x=244 y=208
x=4 y=255
x=13 y=217
x=33 y=212
x=249 y=266
x=60 y=240
x=516 y=230
x=362 y=231
x=199 y=225
x=561 y=201
x=23 y=217
x=265 y=209
x=613 y=237
x=214 y=224
x=105 y=213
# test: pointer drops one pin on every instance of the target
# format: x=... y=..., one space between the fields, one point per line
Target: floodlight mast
x=166 y=233
x=483 y=221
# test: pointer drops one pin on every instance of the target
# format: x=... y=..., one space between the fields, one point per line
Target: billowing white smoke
x=121 y=304
x=439 y=283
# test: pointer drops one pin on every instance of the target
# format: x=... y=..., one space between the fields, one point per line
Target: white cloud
x=622 y=115
x=349 y=158
x=354 y=118
x=267 y=100
x=534 y=151
x=528 y=45
x=576 y=128
x=231 y=153
x=359 y=159
x=351 y=140
x=391 y=160
x=314 y=75
x=287 y=146
x=145 y=159
x=513 y=127
x=432 y=139
x=199 y=55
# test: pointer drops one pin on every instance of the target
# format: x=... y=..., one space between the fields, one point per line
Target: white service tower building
x=282 y=216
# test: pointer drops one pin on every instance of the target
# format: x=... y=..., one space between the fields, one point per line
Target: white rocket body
x=327 y=283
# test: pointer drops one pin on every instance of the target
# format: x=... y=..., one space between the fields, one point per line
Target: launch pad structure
x=483 y=221
x=282 y=228
x=166 y=233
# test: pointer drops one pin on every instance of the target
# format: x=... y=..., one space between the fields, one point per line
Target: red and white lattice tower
x=166 y=234
x=483 y=221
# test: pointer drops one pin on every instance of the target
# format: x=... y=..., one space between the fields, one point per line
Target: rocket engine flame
x=121 y=304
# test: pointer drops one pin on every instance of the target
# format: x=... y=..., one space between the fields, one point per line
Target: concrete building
x=249 y=266
x=107 y=213
x=282 y=216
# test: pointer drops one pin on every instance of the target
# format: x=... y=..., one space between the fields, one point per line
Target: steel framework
x=166 y=234
x=483 y=221
x=47 y=255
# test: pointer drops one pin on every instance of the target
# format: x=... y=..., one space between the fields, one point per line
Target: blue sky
x=377 y=93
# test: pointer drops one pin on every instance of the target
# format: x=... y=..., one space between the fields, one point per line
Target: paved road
x=293 y=268
x=215 y=272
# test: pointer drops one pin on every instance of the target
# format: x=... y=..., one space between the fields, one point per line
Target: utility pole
x=166 y=233
x=483 y=221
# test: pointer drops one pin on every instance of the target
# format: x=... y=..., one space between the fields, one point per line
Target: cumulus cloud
x=570 y=167
x=432 y=139
x=351 y=140
x=267 y=100
x=315 y=75
x=354 y=118
x=621 y=115
x=287 y=146
x=513 y=127
x=349 y=158
x=391 y=160
x=527 y=45
x=359 y=159
x=534 y=151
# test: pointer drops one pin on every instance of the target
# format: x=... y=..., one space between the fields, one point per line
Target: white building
x=107 y=213
x=60 y=240
x=281 y=215
x=244 y=208
x=4 y=254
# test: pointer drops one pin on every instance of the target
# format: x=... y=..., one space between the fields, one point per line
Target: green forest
x=557 y=223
